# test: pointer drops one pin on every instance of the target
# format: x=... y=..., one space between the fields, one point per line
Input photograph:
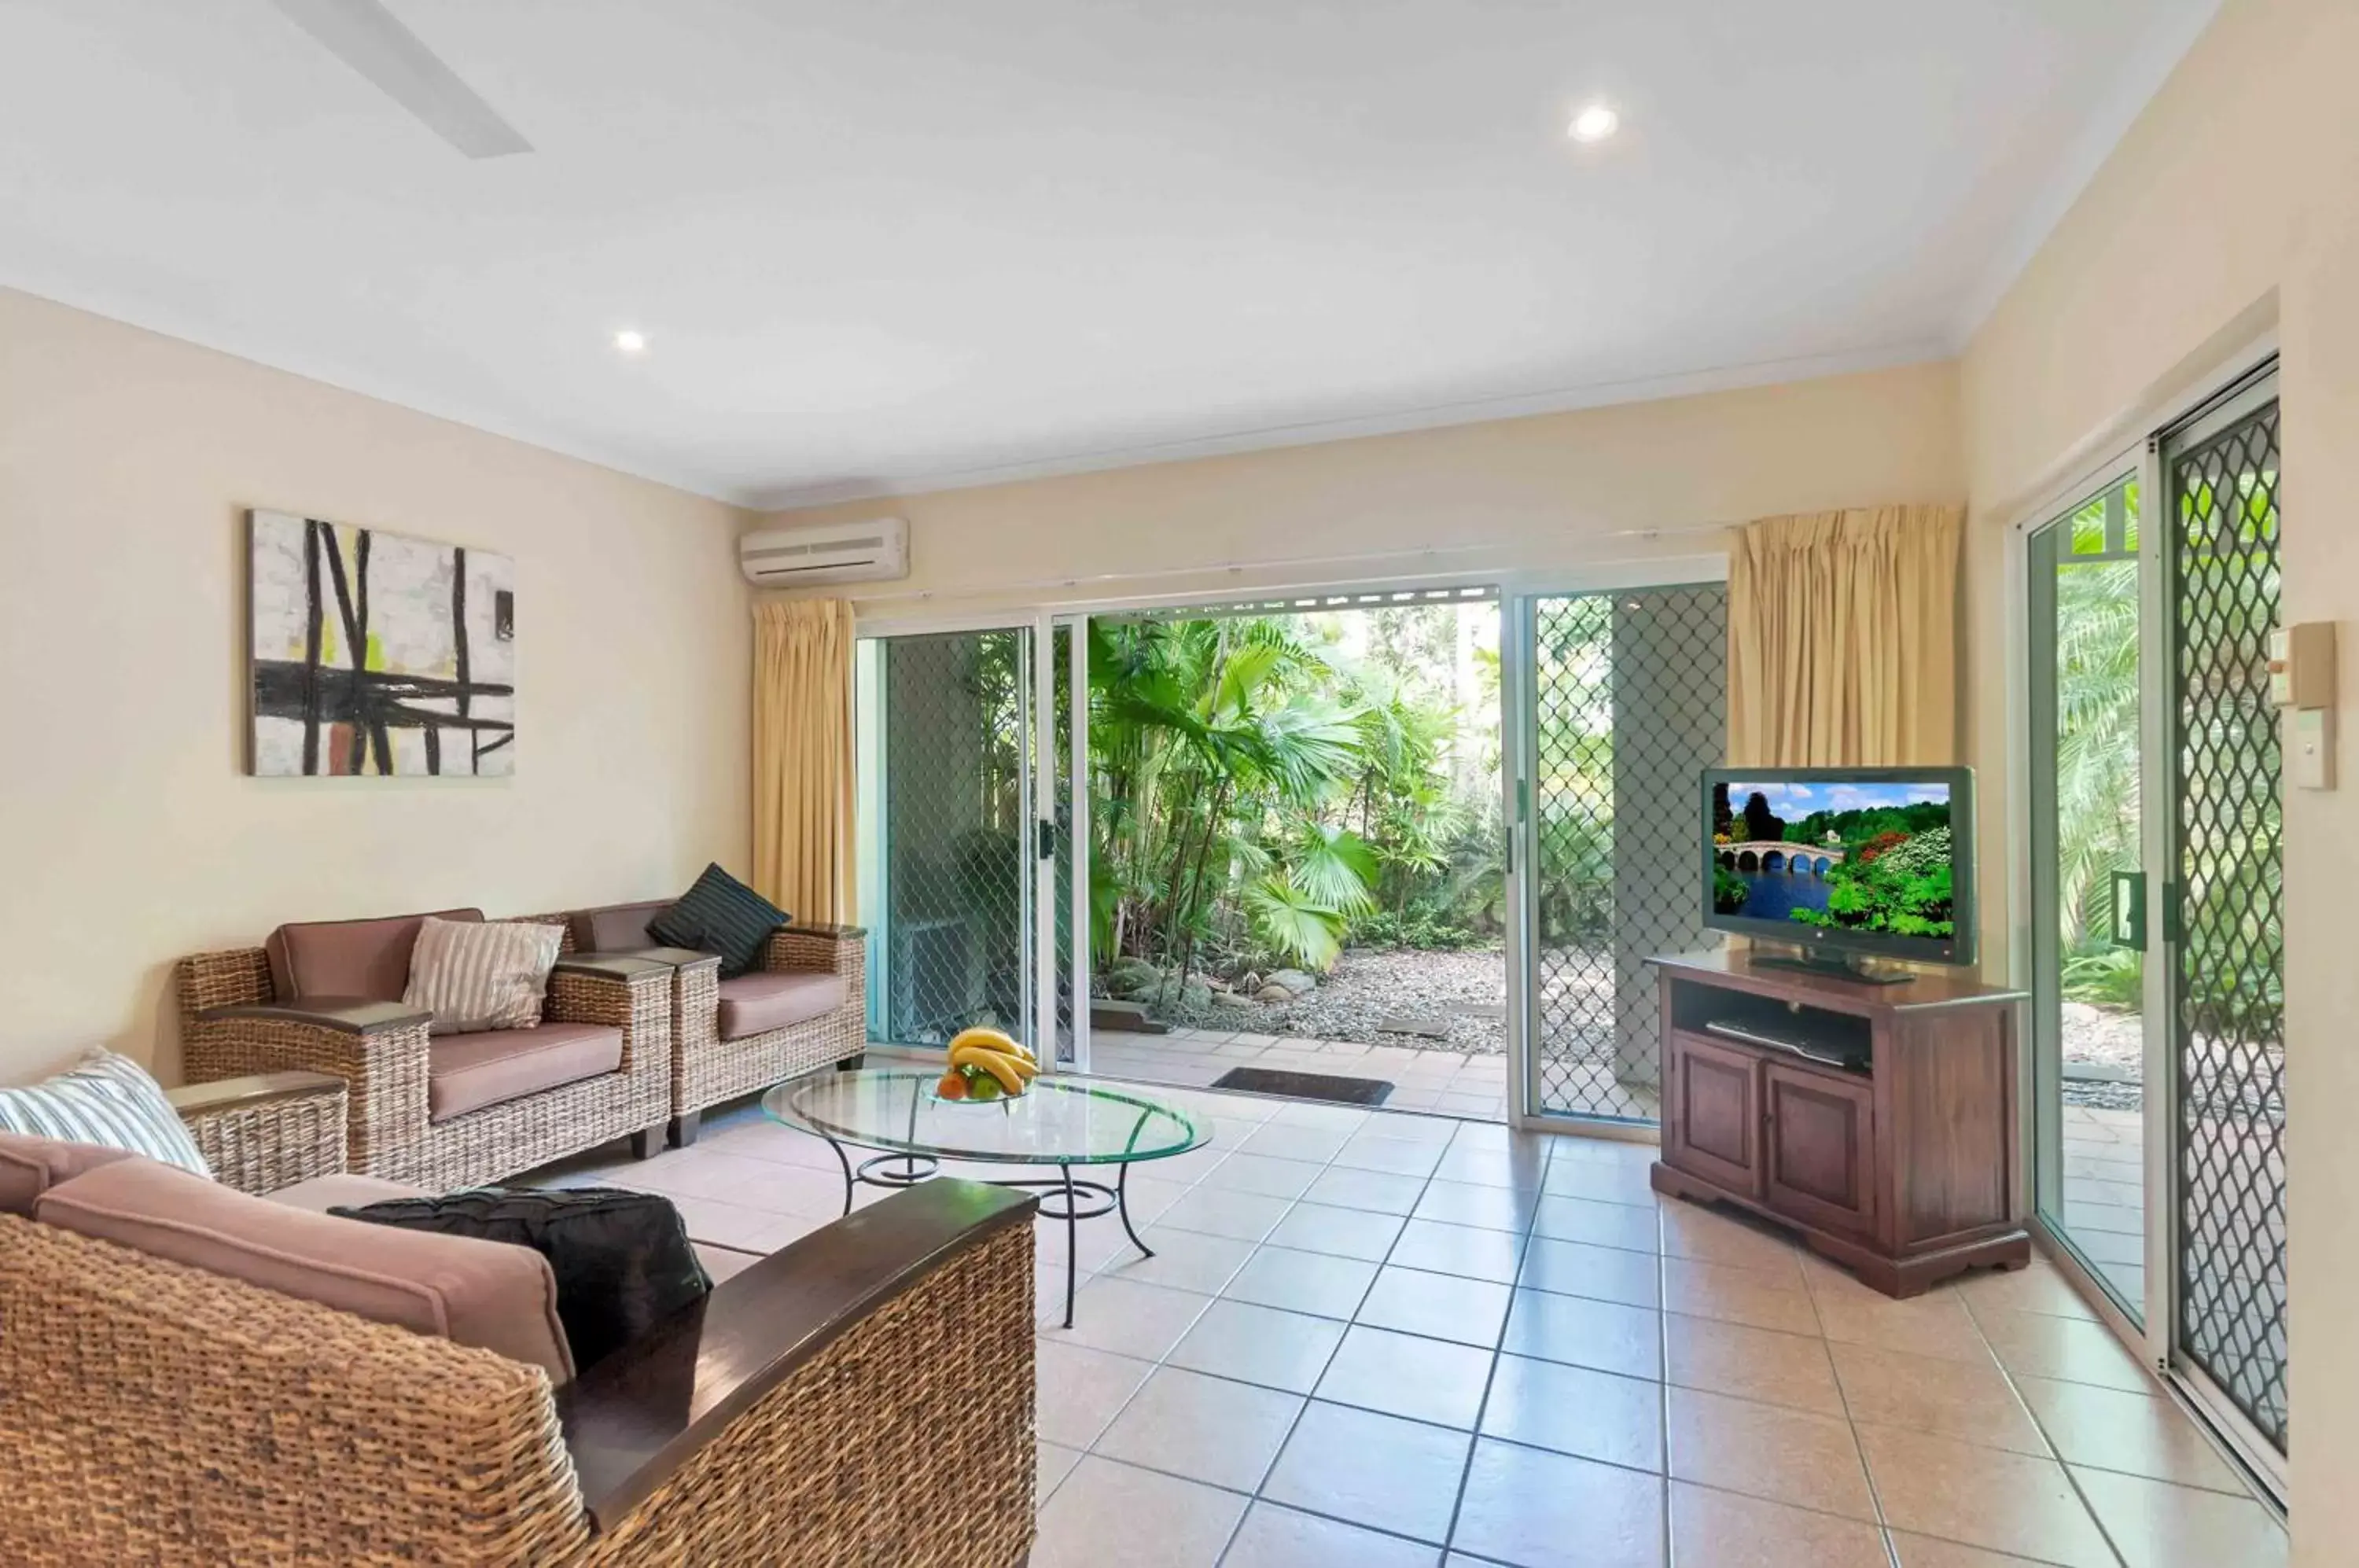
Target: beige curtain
x=802 y=759
x=1842 y=639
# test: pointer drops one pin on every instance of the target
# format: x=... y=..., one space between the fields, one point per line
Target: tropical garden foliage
x=1261 y=796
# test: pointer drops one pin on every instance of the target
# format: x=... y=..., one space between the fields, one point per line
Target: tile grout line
x=1663 y=1364
x=1491 y=1373
x=1851 y=1425
x=2055 y=1455
x=1458 y=1497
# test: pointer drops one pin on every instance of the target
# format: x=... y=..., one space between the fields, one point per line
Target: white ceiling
x=896 y=244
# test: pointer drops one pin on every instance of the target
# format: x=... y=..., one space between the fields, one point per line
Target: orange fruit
x=951 y=1087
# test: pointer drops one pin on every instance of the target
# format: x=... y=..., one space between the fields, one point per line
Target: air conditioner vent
x=874 y=550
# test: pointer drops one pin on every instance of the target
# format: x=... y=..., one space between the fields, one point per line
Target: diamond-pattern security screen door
x=1628 y=707
x=954 y=936
x=2227 y=938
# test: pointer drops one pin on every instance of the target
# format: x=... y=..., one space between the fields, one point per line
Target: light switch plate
x=2312 y=762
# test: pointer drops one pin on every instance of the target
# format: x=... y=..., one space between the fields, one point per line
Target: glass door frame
x=1037 y=990
x=2042 y=1056
x=2136 y=447
x=1076 y=962
x=1520 y=766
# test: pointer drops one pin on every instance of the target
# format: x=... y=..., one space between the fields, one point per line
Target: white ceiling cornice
x=1562 y=401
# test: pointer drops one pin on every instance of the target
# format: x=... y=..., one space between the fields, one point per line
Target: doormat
x=1306 y=1085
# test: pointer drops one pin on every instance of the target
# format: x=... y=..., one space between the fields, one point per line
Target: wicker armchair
x=842 y=1403
x=709 y=1062
x=233 y=1023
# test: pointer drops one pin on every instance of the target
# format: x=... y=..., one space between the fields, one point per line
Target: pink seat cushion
x=753 y=1004
x=348 y=958
x=30 y=1165
x=467 y=1072
x=487 y=1294
x=617 y=928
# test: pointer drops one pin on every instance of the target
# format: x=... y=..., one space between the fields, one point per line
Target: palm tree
x=1201 y=730
x=2096 y=739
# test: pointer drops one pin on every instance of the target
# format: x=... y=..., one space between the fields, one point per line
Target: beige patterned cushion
x=482 y=976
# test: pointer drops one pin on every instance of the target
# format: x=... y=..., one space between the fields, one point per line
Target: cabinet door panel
x=1712 y=1127
x=1821 y=1147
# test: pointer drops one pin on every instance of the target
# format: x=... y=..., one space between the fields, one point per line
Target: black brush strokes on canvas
x=373 y=703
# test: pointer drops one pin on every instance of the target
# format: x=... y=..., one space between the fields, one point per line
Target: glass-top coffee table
x=1054 y=1123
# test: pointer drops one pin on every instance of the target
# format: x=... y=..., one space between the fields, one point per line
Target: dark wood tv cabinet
x=1904 y=1166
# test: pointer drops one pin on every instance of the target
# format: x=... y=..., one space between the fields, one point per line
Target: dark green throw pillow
x=621 y=1260
x=720 y=915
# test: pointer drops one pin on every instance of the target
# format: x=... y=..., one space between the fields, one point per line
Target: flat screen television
x=1849 y=863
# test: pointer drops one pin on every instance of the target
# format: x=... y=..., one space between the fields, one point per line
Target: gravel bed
x=1467 y=990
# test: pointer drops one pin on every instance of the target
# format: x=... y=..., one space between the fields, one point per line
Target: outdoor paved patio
x=1448 y=1081
x=2104 y=1194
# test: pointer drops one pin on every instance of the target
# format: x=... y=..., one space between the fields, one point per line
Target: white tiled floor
x=1507 y=1350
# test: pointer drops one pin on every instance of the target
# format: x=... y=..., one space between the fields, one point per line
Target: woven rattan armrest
x=820 y=928
x=633 y=1419
x=675 y=957
x=267 y=1130
x=614 y=965
x=345 y=1014
x=823 y=949
x=251 y=1093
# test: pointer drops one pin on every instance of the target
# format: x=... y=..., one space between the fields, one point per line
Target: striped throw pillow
x=720 y=915
x=474 y=976
x=108 y=1100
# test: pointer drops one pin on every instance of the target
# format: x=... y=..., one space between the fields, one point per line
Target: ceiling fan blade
x=372 y=41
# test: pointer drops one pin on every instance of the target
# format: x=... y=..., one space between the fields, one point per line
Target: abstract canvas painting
x=376 y=653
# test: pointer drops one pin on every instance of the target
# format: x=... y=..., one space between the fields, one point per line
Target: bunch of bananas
x=986 y=1065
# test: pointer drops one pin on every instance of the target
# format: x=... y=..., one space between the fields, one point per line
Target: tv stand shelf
x=1876 y=1120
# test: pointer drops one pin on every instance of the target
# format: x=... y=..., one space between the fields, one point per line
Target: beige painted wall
x=131 y=835
x=1527 y=494
x=2232 y=203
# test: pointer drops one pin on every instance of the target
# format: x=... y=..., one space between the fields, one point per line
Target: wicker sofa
x=804 y=1007
x=842 y=1402
x=436 y=1112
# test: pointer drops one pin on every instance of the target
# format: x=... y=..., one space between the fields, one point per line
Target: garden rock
x=1231 y=1000
x=1273 y=993
x=1295 y=983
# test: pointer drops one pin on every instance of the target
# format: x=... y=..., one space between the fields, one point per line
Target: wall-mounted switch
x=2301 y=665
x=2311 y=759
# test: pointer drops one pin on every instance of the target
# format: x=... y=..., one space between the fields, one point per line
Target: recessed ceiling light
x=1595 y=123
x=631 y=342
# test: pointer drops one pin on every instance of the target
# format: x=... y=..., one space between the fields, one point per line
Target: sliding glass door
x=1621 y=700
x=2087 y=883
x=948 y=840
x=2157 y=918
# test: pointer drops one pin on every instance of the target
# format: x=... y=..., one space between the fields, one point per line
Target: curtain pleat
x=1842 y=639
x=803 y=758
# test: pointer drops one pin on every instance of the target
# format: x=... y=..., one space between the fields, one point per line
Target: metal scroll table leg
x=845 y=1160
x=1121 y=1207
x=1073 y=1250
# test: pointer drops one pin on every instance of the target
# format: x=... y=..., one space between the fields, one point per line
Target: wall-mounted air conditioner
x=871 y=551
